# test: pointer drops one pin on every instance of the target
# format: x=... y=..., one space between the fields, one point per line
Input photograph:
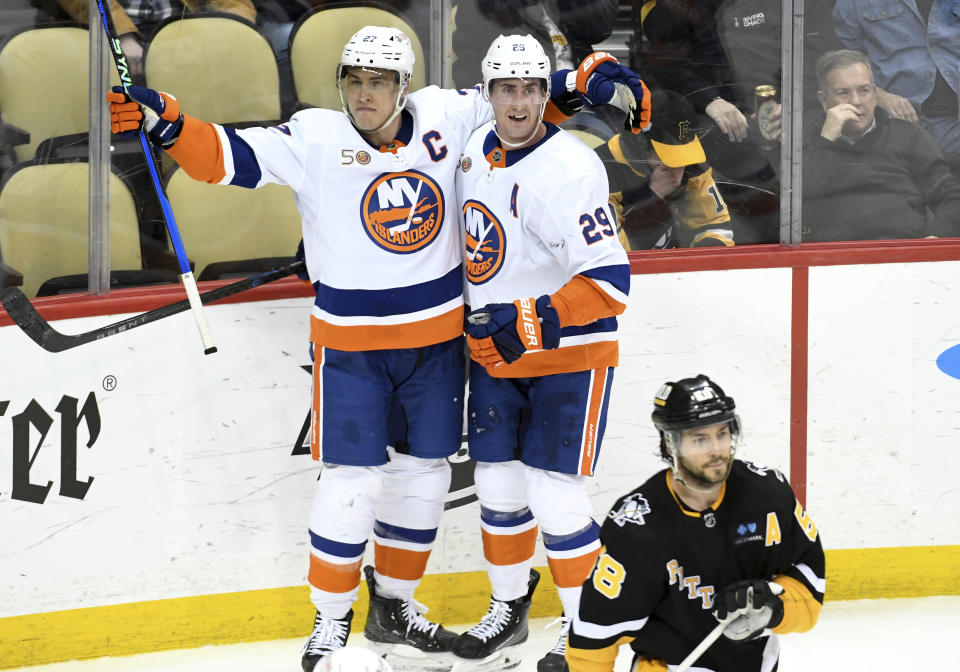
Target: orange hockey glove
x=601 y=80
x=157 y=113
x=501 y=332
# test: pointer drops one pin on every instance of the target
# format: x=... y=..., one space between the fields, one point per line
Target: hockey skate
x=492 y=644
x=555 y=660
x=398 y=631
x=329 y=634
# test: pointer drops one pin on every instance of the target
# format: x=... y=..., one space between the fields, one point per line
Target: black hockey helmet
x=689 y=403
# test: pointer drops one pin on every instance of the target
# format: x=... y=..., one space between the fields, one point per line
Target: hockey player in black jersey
x=709 y=539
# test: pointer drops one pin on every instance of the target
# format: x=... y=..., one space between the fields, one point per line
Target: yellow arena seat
x=219 y=68
x=44 y=222
x=589 y=139
x=43 y=84
x=317 y=43
x=228 y=224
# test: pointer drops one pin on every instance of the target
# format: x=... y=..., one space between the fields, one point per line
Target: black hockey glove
x=748 y=608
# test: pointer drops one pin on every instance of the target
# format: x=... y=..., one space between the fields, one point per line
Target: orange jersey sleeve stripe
x=563 y=360
x=198 y=151
x=315 y=407
x=332 y=578
x=572 y=572
x=581 y=301
x=553 y=114
x=509 y=549
x=800 y=608
x=432 y=330
x=400 y=563
x=589 y=447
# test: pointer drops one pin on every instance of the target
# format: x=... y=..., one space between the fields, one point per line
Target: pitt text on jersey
x=485 y=242
x=402 y=212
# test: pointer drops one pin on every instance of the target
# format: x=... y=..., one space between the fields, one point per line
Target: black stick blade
x=25 y=316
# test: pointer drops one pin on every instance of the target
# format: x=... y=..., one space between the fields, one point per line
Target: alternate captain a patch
x=402 y=212
x=485 y=242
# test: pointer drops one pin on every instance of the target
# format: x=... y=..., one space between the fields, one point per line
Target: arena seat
x=586 y=137
x=43 y=84
x=316 y=44
x=44 y=225
x=218 y=66
x=227 y=229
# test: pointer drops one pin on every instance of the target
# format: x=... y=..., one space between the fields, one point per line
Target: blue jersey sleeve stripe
x=246 y=170
x=618 y=276
x=395 y=301
x=558 y=84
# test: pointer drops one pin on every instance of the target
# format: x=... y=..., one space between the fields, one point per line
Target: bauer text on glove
x=512 y=329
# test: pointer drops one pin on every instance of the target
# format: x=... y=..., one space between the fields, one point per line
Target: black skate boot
x=329 y=634
x=397 y=630
x=488 y=644
x=555 y=660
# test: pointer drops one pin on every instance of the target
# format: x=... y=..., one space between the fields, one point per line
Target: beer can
x=765 y=99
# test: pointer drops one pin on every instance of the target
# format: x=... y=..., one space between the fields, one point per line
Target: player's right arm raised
x=209 y=152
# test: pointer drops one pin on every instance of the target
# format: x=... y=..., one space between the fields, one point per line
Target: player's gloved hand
x=748 y=608
x=157 y=113
x=499 y=333
x=601 y=80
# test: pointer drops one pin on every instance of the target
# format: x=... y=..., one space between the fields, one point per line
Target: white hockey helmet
x=353 y=659
x=510 y=56
x=379 y=47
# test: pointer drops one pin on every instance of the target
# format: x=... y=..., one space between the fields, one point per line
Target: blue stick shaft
x=189 y=284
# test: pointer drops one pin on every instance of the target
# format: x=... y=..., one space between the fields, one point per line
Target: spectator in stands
x=136 y=20
x=868 y=175
x=660 y=184
x=914 y=49
x=716 y=52
x=567 y=29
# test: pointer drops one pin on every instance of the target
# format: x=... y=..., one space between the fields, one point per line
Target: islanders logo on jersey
x=485 y=242
x=402 y=212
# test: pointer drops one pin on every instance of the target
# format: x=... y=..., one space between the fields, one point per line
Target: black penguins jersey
x=663 y=564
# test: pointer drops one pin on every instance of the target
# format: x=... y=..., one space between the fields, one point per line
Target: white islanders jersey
x=533 y=219
x=382 y=245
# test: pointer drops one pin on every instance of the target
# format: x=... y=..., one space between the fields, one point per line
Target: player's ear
x=822 y=97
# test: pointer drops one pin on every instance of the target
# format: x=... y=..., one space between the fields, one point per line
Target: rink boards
x=152 y=497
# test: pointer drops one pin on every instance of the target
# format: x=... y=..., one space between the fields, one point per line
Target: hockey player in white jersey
x=545 y=277
x=374 y=186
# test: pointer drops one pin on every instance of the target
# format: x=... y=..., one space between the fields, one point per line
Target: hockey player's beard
x=699 y=479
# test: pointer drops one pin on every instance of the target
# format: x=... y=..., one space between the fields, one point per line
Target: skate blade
x=496 y=661
x=406 y=658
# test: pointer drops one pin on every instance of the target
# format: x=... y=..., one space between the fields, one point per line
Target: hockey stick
x=186 y=275
x=25 y=316
x=714 y=635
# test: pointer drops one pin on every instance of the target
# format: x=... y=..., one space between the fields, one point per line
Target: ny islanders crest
x=485 y=242
x=402 y=212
